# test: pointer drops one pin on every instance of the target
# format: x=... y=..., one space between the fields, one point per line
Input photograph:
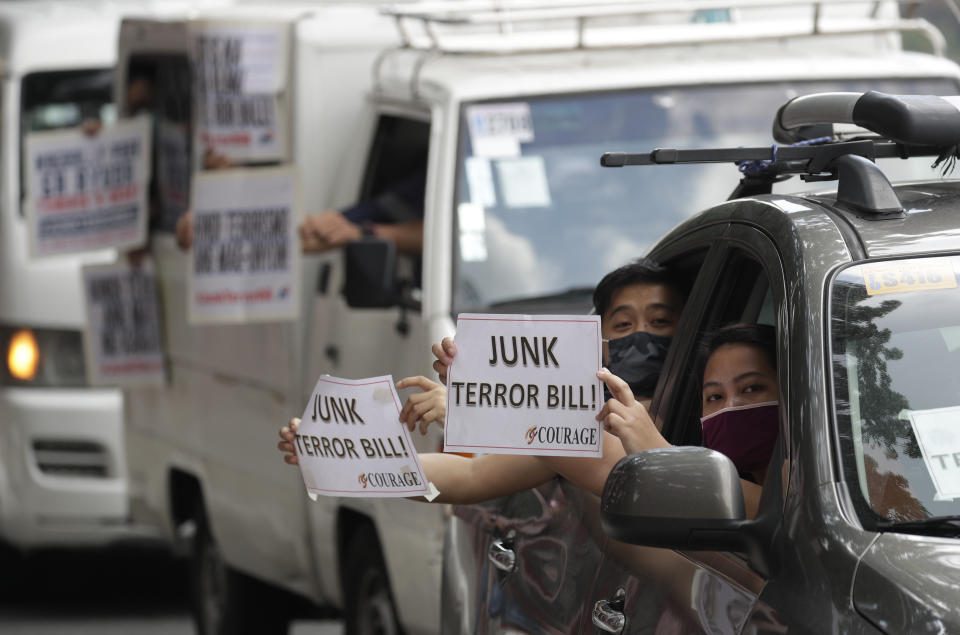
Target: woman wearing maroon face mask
x=739 y=405
x=740 y=397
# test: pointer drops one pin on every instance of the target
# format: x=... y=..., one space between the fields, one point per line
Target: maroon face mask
x=745 y=434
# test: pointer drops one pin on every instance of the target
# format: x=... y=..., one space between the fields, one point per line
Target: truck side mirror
x=371 y=273
x=678 y=498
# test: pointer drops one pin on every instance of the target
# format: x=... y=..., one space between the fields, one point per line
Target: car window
x=895 y=331
x=159 y=85
x=51 y=100
x=395 y=177
x=741 y=294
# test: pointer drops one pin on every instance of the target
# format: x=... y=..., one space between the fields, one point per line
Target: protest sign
x=351 y=442
x=87 y=192
x=240 y=98
x=123 y=340
x=245 y=251
x=523 y=384
x=939 y=439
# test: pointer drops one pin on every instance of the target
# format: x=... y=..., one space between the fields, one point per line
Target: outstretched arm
x=466 y=481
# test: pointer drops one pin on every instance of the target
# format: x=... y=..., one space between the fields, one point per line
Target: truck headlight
x=42 y=357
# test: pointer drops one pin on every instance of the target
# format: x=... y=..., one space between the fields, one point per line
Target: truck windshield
x=895 y=330
x=536 y=215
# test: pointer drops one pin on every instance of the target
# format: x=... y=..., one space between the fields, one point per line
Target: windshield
x=537 y=215
x=896 y=361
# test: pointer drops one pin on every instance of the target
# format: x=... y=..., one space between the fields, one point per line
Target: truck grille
x=72 y=458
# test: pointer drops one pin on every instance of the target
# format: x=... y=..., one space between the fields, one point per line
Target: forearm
x=588 y=473
x=407 y=236
x=465 y=481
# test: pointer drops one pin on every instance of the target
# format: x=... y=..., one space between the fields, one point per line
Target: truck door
x=356 y=333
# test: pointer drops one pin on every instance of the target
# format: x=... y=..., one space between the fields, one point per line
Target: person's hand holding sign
x=429 y=406
x=444 y=352
x=627 y=418
x=289 y=435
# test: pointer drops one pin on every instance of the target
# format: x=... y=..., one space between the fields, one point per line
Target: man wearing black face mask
x=639 y=305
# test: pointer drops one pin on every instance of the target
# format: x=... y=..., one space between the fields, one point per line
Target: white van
x=507 y=112
x=62 y=458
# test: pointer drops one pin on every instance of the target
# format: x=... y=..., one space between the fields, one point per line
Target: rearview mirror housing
x=679 y=498
x=371 y=273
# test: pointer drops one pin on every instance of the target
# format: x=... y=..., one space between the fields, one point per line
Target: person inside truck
x=396 y=214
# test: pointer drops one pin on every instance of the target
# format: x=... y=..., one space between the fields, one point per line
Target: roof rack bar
x=602 y=9
x=449 y=10
x=705 y=37
x=797 y=156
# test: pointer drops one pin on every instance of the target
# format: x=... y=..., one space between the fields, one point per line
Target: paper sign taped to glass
x=85 y=193
x=351 y=443
x=525 y=384
x=938 y=435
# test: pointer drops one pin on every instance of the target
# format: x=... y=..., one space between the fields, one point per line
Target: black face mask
x=638 y=359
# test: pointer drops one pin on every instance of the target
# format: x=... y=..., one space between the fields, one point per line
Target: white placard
x=241 y=71
x=524 y=384
x=246 y=255
x=497 y=130
x=123 y=340
x=938 y=435
x=480 y=181
x=173 y=171
x=87 y=192
x=351 y=442
x=523 y=182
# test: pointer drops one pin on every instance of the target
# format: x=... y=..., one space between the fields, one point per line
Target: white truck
x=62 y=458
x=506 y=110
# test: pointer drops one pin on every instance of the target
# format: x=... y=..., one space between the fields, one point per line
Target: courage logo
x=531 y=434
x=362 y=479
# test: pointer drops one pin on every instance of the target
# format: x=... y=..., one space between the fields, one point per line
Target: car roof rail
x=517 y=26
x=894 y=126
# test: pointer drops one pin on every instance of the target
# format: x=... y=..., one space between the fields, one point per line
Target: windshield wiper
x=933 y=526
x=570 y=295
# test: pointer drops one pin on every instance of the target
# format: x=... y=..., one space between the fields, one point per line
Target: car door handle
x=608 y=614
x=502 y=555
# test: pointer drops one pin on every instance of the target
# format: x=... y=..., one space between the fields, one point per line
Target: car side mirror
x=371 y=274
x=686 y=498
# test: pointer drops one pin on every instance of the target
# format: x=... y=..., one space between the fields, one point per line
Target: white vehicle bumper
x=63 y=469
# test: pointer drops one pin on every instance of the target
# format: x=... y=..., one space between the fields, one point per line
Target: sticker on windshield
x=903 y=276
x=938 y=435
x=480 y=181
x=523 y=182
x=497 y=130
x=472 y=225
